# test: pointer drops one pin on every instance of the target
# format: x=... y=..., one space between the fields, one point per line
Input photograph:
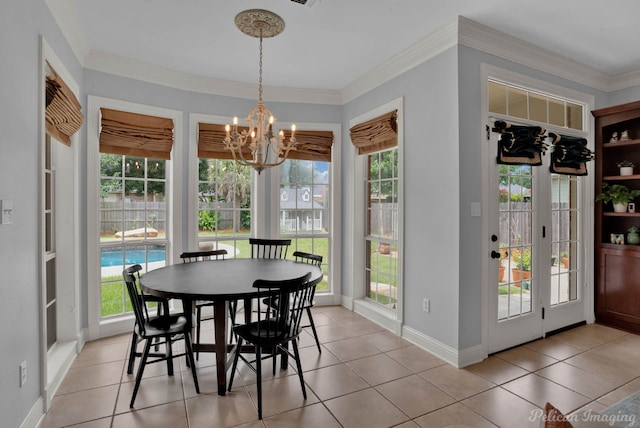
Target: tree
x=134 y=172
x=226 y=181
x=383 y=170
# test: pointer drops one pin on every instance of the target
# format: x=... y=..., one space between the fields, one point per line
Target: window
x=305 y=209
x=224 y=206
x=381 y=239
x=133 y=223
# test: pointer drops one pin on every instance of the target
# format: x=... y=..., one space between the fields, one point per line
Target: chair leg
x=313 y=328
x=233 y=308
x=259 y=380
x=143 y=362
x=132 y=352
x=235 y=363
x=299 y=367
x=190 y=360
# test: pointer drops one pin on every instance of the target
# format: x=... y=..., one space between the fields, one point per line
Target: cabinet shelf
x=625 y=143
x=621 y=177
x=612 y=214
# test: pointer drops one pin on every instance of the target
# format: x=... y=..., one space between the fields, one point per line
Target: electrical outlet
x=23 y=373
x=426 y=305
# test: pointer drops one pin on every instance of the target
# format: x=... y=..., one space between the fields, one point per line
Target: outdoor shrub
x=207 y=220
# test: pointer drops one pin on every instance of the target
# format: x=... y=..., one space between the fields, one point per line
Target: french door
x=535 y=260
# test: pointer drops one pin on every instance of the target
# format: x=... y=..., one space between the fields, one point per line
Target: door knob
x=495 y=254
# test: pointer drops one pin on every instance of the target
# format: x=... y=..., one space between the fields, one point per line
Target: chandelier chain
x=260 y=65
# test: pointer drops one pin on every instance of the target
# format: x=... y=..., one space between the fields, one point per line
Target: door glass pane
x=564 y=207
x=515 y=280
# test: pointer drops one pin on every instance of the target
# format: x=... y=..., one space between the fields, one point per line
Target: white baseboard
x=35 y=415
x=457 y=358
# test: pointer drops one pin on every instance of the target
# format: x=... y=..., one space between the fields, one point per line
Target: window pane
x=538 y=107
x=556 y=112
x=497 y=98
x=517 y=103
x=574 y=116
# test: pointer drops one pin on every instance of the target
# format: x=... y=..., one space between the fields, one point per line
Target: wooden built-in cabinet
x=617 y=267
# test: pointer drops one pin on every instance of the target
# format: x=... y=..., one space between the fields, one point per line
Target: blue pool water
x=113 y=257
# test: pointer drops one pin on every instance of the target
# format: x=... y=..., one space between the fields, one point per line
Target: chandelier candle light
x=267 y=149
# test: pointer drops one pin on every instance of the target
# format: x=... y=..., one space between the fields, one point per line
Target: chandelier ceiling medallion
x=267 y=149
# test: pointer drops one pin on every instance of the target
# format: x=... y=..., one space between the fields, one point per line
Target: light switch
x=476 y=209
x=6 y=210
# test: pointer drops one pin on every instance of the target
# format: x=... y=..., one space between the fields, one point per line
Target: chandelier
x=267 y=149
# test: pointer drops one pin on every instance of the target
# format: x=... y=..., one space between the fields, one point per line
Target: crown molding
x=66 y=16
x=494 y=42
x=435 y=43
x=124 y=67
x=625 y=80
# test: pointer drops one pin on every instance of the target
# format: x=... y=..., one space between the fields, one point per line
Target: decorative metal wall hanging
x=570 y=155
x=520 y=145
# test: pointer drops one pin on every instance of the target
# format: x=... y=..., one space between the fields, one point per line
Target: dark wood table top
x=221 y=279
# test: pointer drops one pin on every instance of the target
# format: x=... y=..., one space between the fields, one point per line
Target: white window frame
x=99 y=328
x=385 y=317
x=334 y=295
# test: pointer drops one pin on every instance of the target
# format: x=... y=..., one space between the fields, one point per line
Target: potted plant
x=503 y=256
x=619 y=194
x=521 y=265
x=626 y=167
x=633 y=237
x=564 y=257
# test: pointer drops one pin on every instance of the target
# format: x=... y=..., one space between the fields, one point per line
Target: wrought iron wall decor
x=524 y=145
x=520 y=145
x=570 y=155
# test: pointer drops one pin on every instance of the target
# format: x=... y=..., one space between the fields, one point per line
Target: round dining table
x=221 y=281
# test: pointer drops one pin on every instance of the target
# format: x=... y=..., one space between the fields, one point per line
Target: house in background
x=301 y=210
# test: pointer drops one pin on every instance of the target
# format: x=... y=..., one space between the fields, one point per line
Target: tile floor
x=364 y=377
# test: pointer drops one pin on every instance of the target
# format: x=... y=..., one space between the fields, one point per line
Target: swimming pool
x=113 y=256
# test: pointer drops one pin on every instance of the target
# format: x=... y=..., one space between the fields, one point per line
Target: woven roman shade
x=211 y=142
x=62 y=109
x=379 y=133
x=132 y=134
x=312 y=145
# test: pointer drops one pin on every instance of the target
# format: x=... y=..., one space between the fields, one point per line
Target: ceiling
x=330 y=44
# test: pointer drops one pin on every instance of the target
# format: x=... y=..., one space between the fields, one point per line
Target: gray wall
x=21 y=24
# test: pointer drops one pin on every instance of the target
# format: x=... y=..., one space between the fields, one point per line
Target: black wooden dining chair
x=269 y=248
x=169 y=328
x=274 y=332
x=316 y=260
x=197 y=256
x=162 y=308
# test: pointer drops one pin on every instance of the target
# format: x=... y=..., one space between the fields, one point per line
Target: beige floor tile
x=416 y=359
x=496 y=370
x=589 y=336
x=172 y=415
x=351 y=349
x=620 y=393
x=526 y=358
x=333 y=381
x=539 y=391
x=378 y=369
x=504 y=409
x=603 y=366
x=362 y=326
x=456 y=415
x=87 y=377
x=311 y=359
x=366 y=408
x=281 y=395
x=98 y=423
x=152 y=392
x=104 y=353
x=332 y=332
x=315 y=415
x=408 y=424
x=458 y=383
x=386 y=341
x=212 y=410
x=554 y=348
x=82 y=406
x=414 y=395
x=578 y=380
